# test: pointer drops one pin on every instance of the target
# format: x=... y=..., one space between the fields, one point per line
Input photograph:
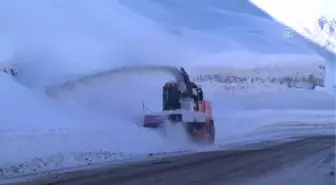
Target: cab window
x=171 y=97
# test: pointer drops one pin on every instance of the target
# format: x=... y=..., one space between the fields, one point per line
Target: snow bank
x=242 y=127
x=61 y=150
x=308 y=76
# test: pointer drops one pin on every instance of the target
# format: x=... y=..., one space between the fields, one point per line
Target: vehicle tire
x=212 y=132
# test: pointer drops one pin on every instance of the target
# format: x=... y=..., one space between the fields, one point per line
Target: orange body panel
x=207 y=109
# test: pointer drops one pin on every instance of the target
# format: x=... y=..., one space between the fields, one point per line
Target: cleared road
x=210 y=168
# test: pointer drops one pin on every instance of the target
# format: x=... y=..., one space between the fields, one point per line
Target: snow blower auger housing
x=183 y=103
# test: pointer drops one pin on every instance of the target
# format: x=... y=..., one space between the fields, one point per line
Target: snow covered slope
x=316 y=22
x=79 y=32
x=52 y=42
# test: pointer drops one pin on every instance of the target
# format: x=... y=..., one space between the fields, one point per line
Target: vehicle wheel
x=212 y=132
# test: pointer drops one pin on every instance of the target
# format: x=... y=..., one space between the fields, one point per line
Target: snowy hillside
x=58 y=33
x=328 y=27
x=49 y=43
x=315 y=21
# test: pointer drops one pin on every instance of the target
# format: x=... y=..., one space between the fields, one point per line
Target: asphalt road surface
x=209 y=168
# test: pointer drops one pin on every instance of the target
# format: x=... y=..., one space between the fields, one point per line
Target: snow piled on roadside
x=307 y=76
x=47 y=151
x=273 y=126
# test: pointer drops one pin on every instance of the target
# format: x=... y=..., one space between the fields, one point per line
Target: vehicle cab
x=171 y=96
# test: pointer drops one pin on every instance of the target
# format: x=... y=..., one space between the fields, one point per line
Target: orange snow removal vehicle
x=183 y=103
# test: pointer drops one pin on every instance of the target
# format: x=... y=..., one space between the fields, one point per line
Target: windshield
x=171 y=97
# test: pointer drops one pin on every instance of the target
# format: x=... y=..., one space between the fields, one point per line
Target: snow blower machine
x=183 y=103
